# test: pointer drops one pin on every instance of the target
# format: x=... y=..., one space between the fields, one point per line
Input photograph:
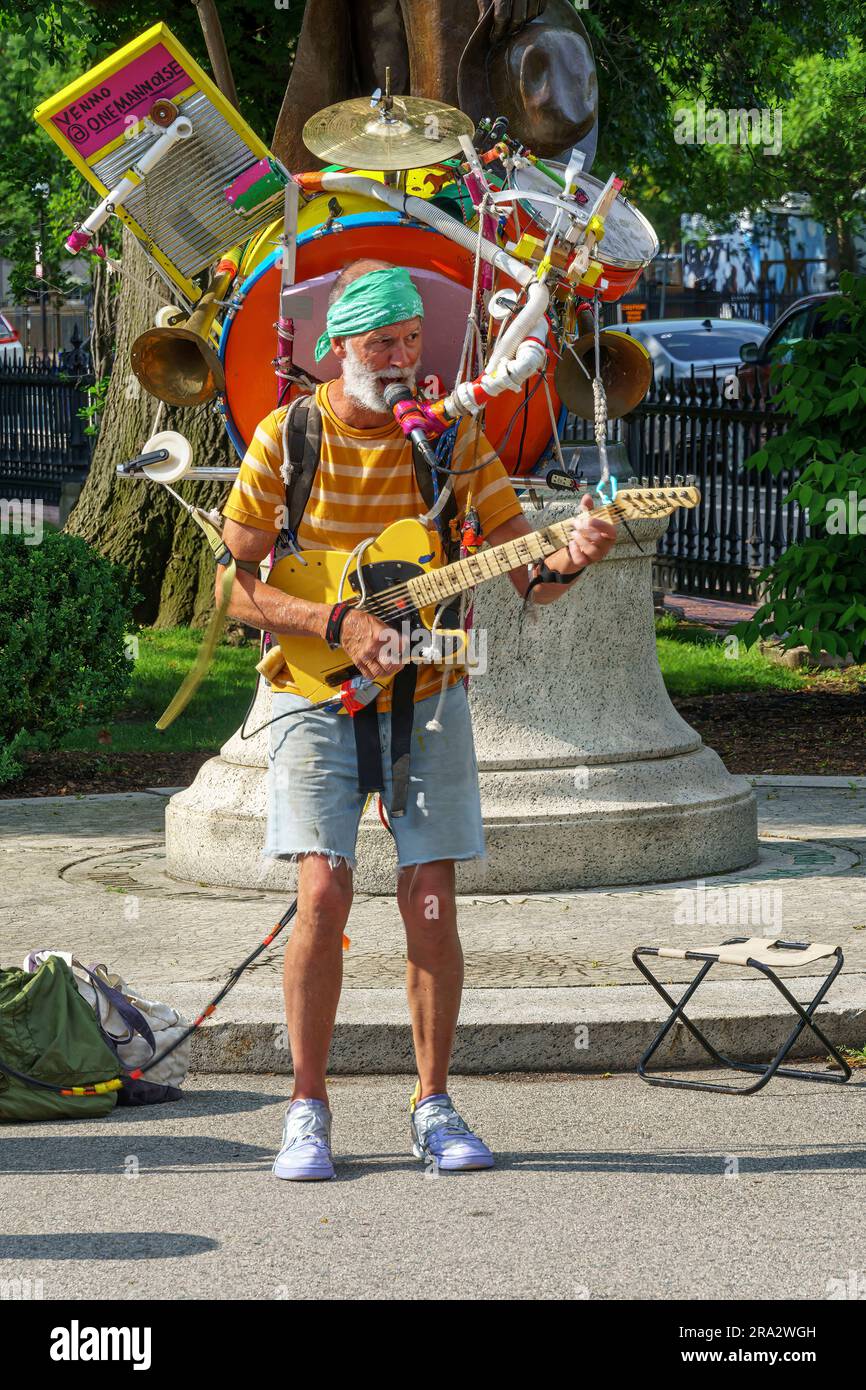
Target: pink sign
x=99 y=116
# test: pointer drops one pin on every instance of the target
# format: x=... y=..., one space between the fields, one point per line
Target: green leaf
x=801 y=446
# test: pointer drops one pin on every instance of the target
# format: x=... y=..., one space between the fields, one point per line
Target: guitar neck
x=437 y=585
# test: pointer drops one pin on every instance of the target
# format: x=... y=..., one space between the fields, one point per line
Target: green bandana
x=371 y=301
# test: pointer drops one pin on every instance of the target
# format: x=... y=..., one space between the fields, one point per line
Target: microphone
x=412 y=420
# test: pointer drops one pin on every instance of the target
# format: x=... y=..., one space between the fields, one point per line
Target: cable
x=516 y=469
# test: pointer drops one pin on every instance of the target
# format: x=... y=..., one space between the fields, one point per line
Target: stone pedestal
x=588 y=774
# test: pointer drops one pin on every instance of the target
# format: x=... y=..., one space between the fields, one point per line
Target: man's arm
x=257 y=604
x=591 y=539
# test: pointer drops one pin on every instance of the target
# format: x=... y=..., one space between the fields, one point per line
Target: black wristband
x=334 y=625
x=549 y=576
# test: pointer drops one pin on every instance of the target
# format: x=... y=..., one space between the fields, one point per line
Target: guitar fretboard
x=635 y=504
x=441 y=584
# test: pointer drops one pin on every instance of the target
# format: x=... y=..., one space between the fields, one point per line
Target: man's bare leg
x=434 y=966
x=313 y=970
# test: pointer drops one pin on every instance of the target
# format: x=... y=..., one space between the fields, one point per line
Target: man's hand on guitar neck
x=591 y=539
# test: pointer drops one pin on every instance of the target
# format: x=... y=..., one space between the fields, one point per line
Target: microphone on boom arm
x=412 y=420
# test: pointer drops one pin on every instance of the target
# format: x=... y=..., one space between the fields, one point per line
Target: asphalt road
x=604 y=1188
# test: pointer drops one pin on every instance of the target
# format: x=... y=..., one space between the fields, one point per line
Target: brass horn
x=178 y=364
x=626 y=373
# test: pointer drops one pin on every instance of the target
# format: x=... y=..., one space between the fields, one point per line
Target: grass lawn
x=693 y=662
x=212 y=716
x=696 y=661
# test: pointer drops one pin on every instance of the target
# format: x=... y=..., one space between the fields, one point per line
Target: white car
x=10 y=344
x=686 y=347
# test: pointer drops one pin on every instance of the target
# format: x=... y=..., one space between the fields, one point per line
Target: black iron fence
x=690 y=428
x=43 y=444
x=652 y=301
x=682 y=428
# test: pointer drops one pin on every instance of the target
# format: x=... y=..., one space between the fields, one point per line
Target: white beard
x=364 y=386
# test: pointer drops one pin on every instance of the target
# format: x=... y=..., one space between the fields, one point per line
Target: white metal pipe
x=180 y=129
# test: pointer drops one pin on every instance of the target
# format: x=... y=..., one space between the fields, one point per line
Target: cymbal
x=415 y=132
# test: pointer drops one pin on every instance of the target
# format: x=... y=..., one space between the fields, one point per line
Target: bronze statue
x=528 y=60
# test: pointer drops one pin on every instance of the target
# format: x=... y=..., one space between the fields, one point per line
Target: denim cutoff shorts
x=315 y=807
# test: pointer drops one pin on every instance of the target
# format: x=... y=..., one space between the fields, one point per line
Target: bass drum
x=517 y=424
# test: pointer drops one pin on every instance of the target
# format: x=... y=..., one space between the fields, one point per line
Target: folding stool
x=761 y=953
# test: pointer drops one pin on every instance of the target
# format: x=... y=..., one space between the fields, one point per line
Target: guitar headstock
x=648 y=502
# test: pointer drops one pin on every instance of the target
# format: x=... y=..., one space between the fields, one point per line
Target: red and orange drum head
x=442 y=272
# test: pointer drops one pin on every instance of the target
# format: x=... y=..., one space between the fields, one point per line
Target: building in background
x=784 y=253
x=63 y=312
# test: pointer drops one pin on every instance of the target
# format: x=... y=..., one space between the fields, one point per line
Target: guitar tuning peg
x=666 y=481
x=631 y=482
x=656 y=482
x=690 y=479
x=644 y=482
x=678 y=480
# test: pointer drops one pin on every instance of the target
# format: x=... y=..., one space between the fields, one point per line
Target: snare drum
x=629 y=242
x=442 y=272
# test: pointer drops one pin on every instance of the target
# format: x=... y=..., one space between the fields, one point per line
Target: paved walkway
x=87 y=873
x=712 y=612
x=603 y=1189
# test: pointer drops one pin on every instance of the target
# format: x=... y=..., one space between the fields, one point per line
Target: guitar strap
x=304 y=439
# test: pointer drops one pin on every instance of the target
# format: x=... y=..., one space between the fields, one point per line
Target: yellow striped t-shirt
x=365 y=481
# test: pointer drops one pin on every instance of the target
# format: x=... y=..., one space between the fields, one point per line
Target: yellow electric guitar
x=400 y=578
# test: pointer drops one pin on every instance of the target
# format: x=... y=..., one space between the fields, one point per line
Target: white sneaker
x=306 y=1149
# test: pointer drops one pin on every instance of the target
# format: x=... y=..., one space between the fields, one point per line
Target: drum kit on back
x=519 y=251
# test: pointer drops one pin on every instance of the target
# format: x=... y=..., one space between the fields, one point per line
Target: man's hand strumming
x=372 y=645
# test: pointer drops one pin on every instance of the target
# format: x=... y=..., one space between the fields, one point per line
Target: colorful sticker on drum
x=105 y=112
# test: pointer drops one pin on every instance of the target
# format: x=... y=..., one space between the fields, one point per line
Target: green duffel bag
x=48 y=1032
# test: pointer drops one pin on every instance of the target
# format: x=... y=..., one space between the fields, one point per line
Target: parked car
x=695 y=347
x=802 y=320
x=11 y=349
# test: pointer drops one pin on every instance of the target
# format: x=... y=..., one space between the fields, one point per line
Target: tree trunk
x=138 y=523
x=846 y=249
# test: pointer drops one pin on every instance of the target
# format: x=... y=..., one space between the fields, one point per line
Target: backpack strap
x=303 y=435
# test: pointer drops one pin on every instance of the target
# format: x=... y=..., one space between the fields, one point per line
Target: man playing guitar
x=366 y=481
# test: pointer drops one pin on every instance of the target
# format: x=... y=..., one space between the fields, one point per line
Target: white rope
x=599 y=399
x=472 y=325
x=434 y=725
